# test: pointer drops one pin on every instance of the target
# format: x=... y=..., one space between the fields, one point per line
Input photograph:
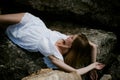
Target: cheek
x=69 y=43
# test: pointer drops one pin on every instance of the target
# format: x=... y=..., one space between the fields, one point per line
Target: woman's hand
x=93 y=73
x=98 y=65
x=95 y=65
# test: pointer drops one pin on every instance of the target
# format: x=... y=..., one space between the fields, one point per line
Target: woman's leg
x=11 y=18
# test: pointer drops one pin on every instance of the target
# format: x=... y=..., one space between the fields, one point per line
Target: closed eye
x=63 y=41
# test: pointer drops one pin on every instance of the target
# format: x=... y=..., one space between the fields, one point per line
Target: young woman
x=61 y=51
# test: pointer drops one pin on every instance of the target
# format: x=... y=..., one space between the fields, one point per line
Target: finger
x=101 y=66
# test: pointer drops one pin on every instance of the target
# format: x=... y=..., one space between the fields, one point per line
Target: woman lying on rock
x=61 y=51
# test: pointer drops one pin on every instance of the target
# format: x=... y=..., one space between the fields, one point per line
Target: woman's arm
x=93 y=73
x=11 y=18
x=95 y=65
x=80 y=71
x=94 y=51
x=61 y=64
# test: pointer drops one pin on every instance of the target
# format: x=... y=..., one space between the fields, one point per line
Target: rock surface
x=47 y=74
x=103 y=13
x=106 y=77
x=67 y=16
x=19 y=63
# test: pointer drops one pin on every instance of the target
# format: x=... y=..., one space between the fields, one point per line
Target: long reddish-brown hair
x=79 y=53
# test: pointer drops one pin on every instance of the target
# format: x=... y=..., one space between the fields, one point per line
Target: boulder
x=16 y=63
x=106 y=77
x=98 y=19
x=48 y=74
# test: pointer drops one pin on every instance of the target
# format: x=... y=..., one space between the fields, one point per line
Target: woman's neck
x=63 y=50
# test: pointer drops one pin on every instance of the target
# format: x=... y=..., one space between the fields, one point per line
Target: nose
x=70 y=38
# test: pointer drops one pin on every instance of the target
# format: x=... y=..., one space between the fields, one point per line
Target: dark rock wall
x=103 y=13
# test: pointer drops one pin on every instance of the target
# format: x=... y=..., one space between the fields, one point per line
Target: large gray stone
x=19 y=63
x=47 y=74
x=99 y=14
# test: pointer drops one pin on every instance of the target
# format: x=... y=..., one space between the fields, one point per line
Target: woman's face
x=69 y=40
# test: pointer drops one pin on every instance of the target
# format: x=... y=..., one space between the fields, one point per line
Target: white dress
x=33 y=35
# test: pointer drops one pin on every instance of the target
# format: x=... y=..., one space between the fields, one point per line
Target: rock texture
x=106 y=77
x=47 y=74
x=67 y=16
x=103 y=13
x=19 y=63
